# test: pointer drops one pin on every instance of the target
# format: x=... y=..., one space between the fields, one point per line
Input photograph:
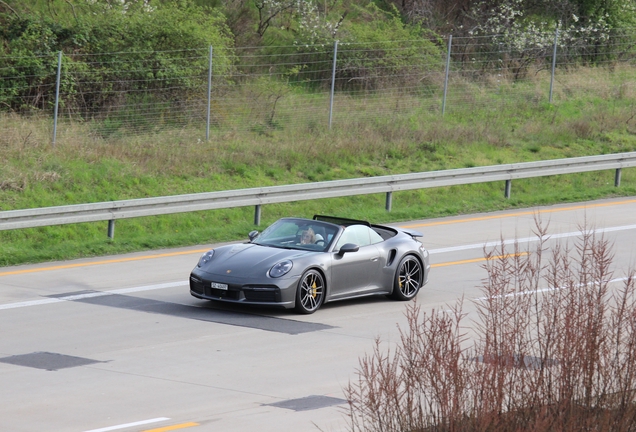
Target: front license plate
x=219 y=286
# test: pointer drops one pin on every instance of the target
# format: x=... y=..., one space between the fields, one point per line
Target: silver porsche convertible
x=303 y=263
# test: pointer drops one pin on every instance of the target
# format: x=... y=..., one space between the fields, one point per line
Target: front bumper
x=282 y=293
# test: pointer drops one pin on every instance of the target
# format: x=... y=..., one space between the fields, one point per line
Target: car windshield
x=301 y=234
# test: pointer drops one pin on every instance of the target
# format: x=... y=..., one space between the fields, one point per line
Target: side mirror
x=252 y=235
x=347 y=248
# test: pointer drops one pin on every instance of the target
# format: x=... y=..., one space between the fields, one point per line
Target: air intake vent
x=391 y=257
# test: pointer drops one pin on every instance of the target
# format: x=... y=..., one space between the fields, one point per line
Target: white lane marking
x=90 y=295
x=127 y=425
x=29 y=303
x=527 y=239
x=522 y=293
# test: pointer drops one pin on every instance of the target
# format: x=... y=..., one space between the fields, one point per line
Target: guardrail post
x=389 y=200
x=111 y=229
x=257 y=215
x=617 y=177
x=508 y=187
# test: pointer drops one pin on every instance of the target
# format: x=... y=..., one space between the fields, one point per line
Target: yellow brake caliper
x=314 y=290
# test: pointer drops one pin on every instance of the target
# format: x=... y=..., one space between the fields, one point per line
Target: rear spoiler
x=412 y=233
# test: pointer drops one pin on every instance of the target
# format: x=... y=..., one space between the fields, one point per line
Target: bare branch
x=73 y=8
x=10 y=8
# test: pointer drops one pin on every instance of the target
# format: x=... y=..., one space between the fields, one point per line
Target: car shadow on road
x=209 y=312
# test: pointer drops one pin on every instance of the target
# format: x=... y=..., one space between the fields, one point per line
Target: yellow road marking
x=173 y=427
x=112 y=261
x=469 y=261
x=523 y=213
x=198 y=251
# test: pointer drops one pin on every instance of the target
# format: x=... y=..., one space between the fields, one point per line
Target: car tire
x=408 y=278
x=310 y=293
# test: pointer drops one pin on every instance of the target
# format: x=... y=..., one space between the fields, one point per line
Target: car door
x=352 y=272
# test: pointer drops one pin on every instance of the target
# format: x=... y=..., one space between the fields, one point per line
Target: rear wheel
x=408 y=278
x=310 y=292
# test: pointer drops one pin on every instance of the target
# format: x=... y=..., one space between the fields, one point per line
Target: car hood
x=249 y=260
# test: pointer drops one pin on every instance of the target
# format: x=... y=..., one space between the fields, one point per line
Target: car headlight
x=280 y=269
x=205 y=258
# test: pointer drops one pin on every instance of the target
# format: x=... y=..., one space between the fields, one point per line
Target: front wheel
x=310 y=292
x=408 y=278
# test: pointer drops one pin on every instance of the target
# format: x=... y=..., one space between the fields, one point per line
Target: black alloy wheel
x=310 y=293
x=408 y=278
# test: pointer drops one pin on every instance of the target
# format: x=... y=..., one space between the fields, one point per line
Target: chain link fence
x=311 y=87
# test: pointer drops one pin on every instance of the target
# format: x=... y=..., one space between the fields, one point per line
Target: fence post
x=554 y=53
x=57 y=95
x=207 y=121
x=617 y=177
x=508 y=187
x=448 y=55
x=333 y=80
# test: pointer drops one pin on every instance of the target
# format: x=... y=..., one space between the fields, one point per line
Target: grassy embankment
x=593 y=113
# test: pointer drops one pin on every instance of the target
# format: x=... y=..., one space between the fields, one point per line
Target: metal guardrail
x=113 y=210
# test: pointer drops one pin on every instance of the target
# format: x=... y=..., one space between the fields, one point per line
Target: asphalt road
x=118 y=344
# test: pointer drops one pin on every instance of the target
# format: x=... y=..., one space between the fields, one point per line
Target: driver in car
x=308 y=237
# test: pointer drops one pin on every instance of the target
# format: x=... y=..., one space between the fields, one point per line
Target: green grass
x=484 y=129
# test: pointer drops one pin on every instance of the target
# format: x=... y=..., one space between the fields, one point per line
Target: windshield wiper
x=275 y=246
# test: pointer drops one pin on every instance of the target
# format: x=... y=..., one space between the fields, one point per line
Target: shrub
x=379 y=49
x=553 y=349
x=108 y=53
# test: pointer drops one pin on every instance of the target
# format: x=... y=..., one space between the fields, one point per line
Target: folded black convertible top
x=340 y=221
